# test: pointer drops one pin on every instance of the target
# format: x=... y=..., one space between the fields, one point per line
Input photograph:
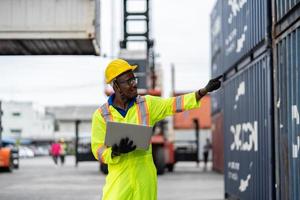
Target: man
x=206 y=149
x=55 y=150
x=132 y=174
x=62 y=153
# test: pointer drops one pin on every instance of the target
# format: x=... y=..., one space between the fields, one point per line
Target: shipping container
x=184 y=120
x=218 y=142
x=287 y=96
x=246 y=26
x=248 y=138
x=216 y=28
x=217 y=101
x=49 y=27
x=217 y=65
x=216 y=40
x=285 y=13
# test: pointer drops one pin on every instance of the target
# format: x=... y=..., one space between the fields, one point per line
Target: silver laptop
x=139 y=134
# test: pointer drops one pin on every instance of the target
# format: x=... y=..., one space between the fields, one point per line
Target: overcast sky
x=180 y=29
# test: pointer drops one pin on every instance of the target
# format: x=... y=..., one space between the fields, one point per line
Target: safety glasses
x=131 y=81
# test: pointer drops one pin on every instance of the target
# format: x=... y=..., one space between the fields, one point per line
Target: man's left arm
x=161 y=108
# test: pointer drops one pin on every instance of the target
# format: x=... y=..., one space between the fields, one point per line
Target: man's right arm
x=100 y=151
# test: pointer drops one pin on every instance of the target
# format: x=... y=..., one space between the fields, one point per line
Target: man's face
x=127 y=84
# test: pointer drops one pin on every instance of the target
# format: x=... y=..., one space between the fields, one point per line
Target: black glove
x=125 y=146
x=213 y=84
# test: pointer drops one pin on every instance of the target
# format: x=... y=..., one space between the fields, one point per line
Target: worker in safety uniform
x=132 y=173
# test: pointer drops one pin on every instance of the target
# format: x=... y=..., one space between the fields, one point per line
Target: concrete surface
x=40 y=179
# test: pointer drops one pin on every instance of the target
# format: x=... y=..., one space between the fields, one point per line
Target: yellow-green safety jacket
x=132 y=176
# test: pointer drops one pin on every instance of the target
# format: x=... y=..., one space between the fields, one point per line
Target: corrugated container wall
x=248 y=132
x=218 y=142
x=216 y=40
x=49 y=27
x=287 y=84
x=245 y=25
x=285 y=7
x=217 y=101
x=285 y=14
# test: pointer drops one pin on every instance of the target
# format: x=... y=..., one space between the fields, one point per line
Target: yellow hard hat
x=117 y=67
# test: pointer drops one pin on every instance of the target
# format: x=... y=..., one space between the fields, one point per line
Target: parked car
x=25 y=152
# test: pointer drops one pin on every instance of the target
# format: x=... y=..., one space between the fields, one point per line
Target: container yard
x=215 y=83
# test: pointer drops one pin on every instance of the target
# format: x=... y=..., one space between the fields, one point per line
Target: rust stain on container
x=218 y=142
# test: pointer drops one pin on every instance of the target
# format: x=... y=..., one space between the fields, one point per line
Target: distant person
x=206 y=150
x=131 y=172
x=62 y=152
x=55 y=151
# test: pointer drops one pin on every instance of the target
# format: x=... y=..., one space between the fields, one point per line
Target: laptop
x=139 y=134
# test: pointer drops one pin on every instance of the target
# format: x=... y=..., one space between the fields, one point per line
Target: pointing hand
x=213 y=84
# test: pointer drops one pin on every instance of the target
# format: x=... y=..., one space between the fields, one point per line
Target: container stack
x=217 y=97
x=286 y=51
x=255 y=115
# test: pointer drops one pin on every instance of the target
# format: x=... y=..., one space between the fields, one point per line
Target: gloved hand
x=213 y=84
x=125 y=146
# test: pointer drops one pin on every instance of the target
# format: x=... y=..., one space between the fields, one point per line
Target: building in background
x=24 y=121
x=73 y=125
x=66 y=116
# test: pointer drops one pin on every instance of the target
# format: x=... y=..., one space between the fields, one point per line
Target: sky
x=180 y=29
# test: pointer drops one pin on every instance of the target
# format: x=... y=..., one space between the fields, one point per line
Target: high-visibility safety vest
x=132 y=176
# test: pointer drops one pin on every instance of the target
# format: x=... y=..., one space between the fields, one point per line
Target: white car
x=25 y=152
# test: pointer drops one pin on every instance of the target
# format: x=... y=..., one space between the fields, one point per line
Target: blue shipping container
x=217 y=101
x=284 y=8
x=216 y=28
x=248 y=132
x=245 y=25
x=216 y=40
x=285 y=13
x=217 y=65
x=287 y=84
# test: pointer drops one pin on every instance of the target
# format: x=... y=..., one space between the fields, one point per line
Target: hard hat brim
x=131 y=67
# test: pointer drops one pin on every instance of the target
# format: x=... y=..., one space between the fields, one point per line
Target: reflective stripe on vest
x=143 y=118
x=104 y=110
x=178 y=105
x=143 y=113
x=100 y=151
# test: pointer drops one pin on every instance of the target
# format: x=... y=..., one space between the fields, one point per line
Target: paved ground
x=39 y=179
